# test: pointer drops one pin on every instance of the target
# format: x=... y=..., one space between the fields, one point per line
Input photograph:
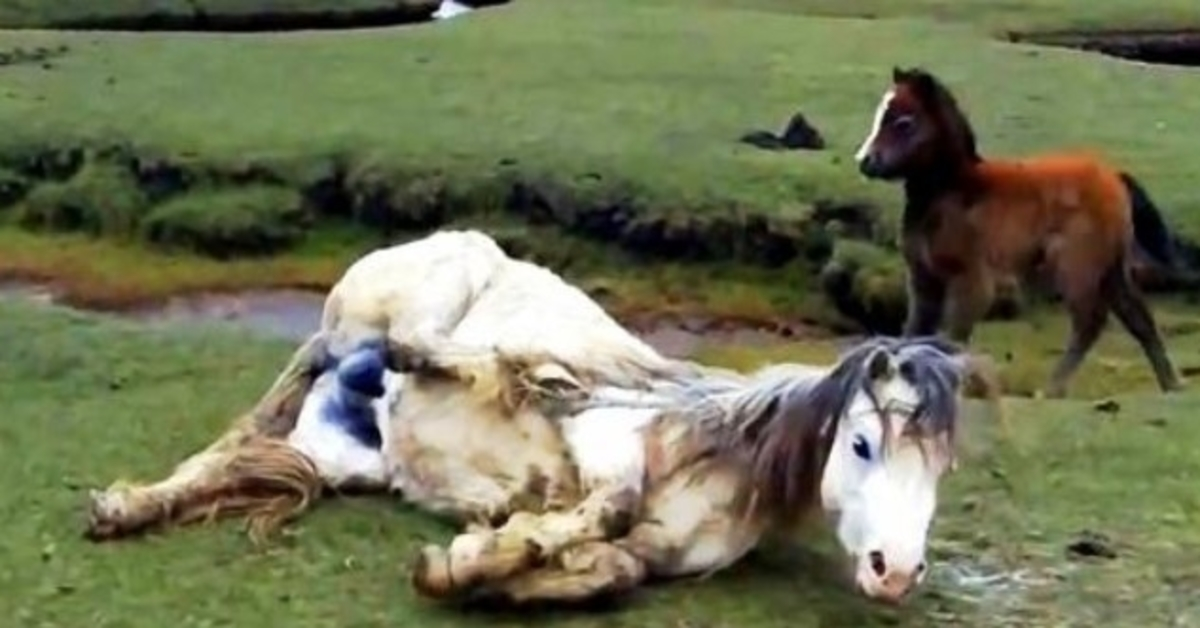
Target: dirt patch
x=1166 y=47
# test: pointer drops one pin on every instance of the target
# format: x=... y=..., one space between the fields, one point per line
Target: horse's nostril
x=877 y=563
x=920 y=568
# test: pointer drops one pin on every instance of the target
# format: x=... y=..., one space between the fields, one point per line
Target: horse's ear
x=880 y=366
x=898 y=74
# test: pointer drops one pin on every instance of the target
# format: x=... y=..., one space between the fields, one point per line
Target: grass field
x=631 y=143
x=618 y=120
x=90 y=399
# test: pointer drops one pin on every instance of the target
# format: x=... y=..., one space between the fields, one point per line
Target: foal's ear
x=880 y=366
x=898 y=74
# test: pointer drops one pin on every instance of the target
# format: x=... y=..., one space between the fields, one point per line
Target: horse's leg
x=1131 y=309
x=581 y=572
x=480 y=556
x=1088 y=310
x=248 y=469
x=970 y=296
x=926 y=300
x=693 y=526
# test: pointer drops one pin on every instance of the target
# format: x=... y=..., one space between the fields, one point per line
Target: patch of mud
x=293 y=315
x=1165 y=47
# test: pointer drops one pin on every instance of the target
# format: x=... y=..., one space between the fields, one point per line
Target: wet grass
x=90 y=399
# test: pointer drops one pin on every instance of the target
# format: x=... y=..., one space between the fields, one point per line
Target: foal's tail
x=1152 y=234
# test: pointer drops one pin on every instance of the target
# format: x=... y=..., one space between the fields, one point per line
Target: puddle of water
x=294 y=315
x=449 y=8
x=286 y=314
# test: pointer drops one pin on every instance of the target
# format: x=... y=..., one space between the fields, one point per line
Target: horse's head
x=892 y=442
x=918 y=128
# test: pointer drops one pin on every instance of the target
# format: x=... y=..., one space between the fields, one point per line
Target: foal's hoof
x=431 y=575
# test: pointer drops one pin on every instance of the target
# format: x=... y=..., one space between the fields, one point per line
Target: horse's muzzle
x=871 y=167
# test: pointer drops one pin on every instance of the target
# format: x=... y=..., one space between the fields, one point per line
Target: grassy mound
x=249 y=221
x=532 y=114
x=93 y=408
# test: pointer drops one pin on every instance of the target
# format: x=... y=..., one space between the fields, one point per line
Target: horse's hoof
x=431 y=575
x=105 y=513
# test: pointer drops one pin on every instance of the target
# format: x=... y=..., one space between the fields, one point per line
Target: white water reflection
x=449 y=9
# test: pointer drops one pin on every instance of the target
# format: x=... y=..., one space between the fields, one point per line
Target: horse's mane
x=944 y=106
x=786 y=419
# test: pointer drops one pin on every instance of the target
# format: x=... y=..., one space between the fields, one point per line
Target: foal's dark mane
x=790 y=442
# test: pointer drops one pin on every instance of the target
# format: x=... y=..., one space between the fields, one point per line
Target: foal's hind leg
x=1089 y=314
x=1131 y=309
x=970 y=295
x=248 y=469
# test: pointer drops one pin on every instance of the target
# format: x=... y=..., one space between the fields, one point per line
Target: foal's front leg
x=970 y=296
x=926 y=300
x=249 y=468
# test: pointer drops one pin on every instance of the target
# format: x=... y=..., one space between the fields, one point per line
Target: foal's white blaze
x=884 y=500
x=876 y=125
x=607 y=445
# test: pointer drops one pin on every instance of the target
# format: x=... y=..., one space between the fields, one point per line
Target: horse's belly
x=607 y=445
x=454 y=457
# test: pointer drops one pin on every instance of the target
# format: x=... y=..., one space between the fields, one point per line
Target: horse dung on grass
x=575 y=459
x=970 y=221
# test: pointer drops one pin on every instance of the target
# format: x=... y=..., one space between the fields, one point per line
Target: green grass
x=417 y=126
x=588 y=101
x=89 y=399
x=1018 y=15
x=679 y=90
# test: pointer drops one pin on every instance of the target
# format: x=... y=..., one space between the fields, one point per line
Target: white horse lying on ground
x=579 y=460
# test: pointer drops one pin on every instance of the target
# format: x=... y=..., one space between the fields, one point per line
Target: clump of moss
x=867 y=285
x=101 y=198
x=255 y=220
x=13 y=187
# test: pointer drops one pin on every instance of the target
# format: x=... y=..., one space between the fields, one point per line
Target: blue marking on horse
x=359 y=382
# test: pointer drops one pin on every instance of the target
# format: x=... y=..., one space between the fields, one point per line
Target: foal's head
x=883 y=422
x=918 y=129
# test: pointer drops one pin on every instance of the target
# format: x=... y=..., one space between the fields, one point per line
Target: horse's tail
x=1152 y=234
x=1149 y=229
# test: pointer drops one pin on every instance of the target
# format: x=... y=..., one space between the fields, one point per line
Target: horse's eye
x=861 y=448
x=904 y=125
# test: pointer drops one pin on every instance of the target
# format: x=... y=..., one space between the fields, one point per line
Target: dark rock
x=797 y=135
x=1091 y=544
x=801 y=134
